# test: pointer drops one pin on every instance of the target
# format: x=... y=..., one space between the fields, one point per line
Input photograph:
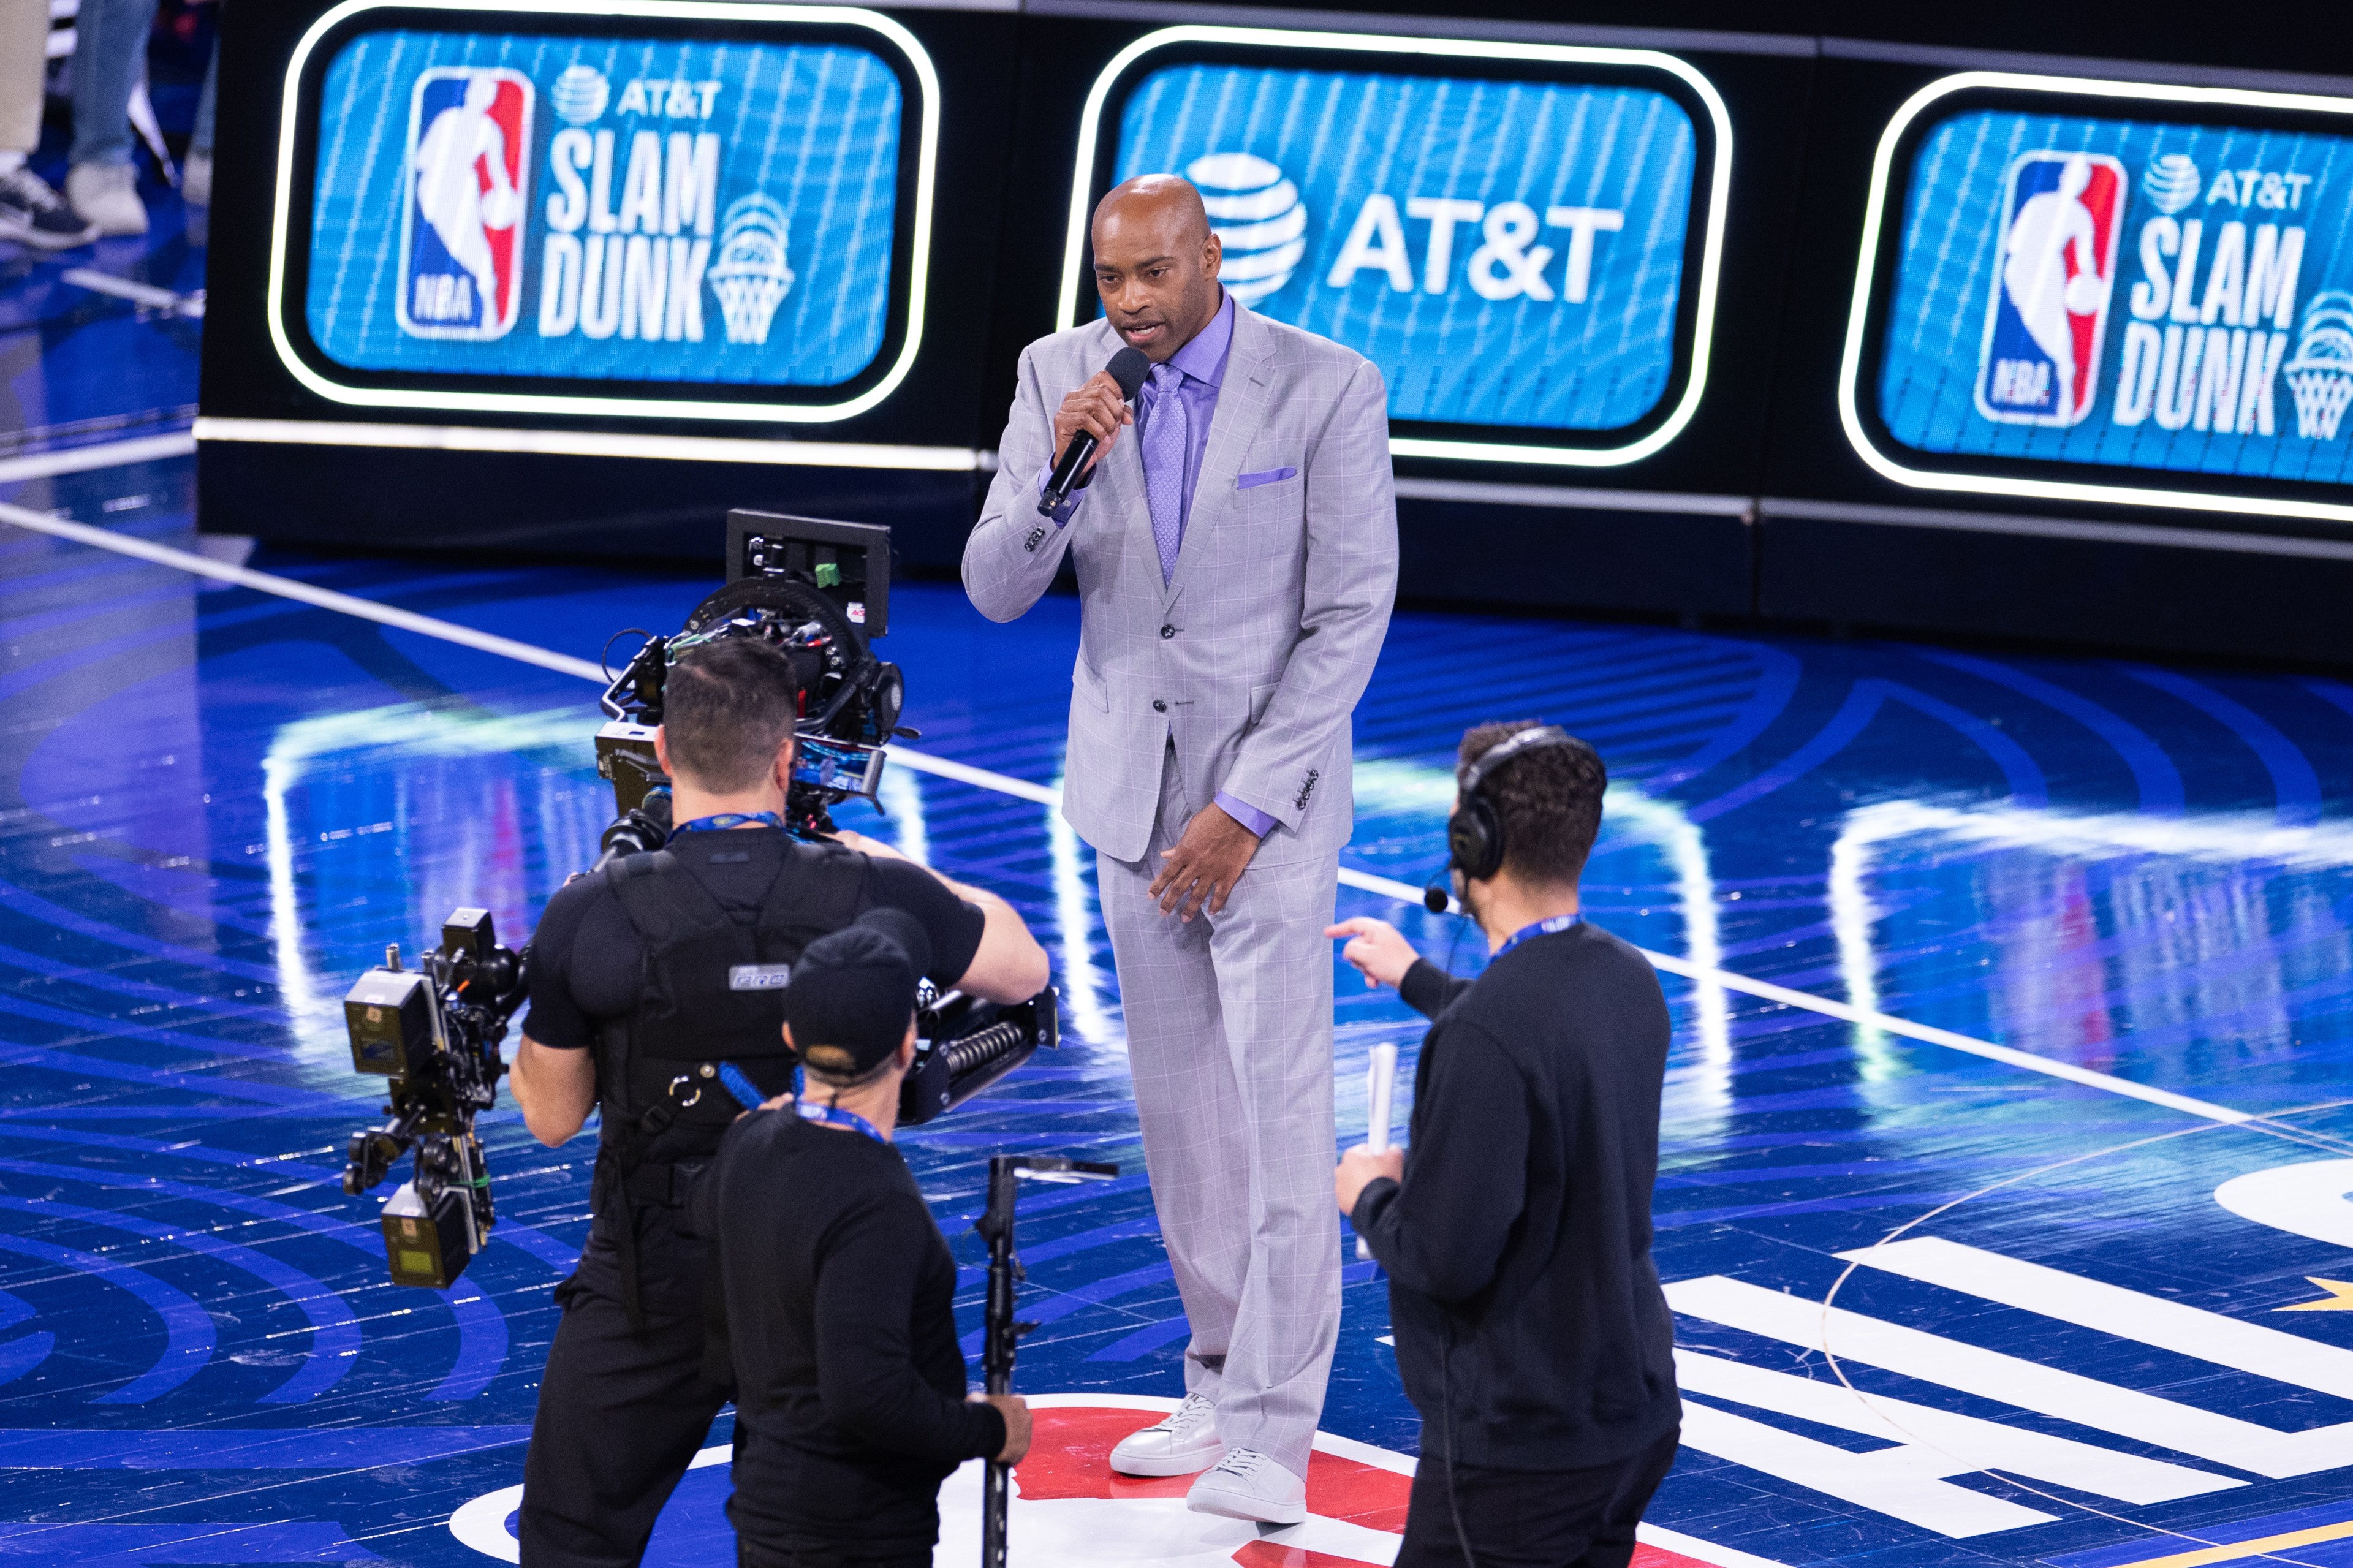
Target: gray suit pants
x=1230 y=1039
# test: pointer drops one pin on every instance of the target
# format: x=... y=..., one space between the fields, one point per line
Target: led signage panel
x=2066 y=277
x=1523 y=238
x=646 y=215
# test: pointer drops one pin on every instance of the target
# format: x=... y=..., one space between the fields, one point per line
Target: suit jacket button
x=1159 y=706
x=1167 y=632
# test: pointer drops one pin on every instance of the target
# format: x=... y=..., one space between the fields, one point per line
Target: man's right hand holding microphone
x=1098 y=408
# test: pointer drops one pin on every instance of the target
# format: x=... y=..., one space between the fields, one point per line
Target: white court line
x=148 y=294
x=288 y=588
x=2175 y=1326
x=1045 y=794
x=2006 y=1379
x=79 y=460
x=1937 y=1436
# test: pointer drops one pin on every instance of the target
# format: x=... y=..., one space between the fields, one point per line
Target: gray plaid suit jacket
x=1254 y=653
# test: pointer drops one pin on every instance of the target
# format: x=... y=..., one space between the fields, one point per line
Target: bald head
x=1156 y=263
x=1163 y=205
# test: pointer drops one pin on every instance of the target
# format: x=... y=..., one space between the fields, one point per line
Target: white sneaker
x=1183 y=1441
x=107 y=194
x=1246 y=1484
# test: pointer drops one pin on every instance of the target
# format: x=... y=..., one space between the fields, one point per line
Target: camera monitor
x=848 y=562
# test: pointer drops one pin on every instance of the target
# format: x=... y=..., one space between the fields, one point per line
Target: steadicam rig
x=817 y=591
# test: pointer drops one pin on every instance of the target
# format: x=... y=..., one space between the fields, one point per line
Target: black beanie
x=854 y=991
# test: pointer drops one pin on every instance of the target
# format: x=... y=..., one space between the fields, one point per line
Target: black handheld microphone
x=1128 y=367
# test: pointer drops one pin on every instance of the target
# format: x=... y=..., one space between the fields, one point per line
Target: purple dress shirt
x=1203 y=364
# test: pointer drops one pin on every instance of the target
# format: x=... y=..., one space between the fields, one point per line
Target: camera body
x=817 y=590
x=433 y=1032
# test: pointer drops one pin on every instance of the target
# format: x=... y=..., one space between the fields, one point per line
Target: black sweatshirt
x=1518 y=1247
x=837 y=1291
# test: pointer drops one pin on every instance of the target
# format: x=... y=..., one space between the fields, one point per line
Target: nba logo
x=2050 y=304
x=461 y=234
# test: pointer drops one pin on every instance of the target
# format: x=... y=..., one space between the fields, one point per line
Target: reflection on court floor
x=2007 y=1149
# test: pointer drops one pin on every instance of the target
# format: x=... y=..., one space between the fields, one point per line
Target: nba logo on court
x=461 y=235
x=2049 y=308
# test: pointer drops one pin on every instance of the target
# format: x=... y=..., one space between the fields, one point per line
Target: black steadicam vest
x=711 y=991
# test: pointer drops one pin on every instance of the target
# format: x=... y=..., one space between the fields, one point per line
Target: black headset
x=1474 y=833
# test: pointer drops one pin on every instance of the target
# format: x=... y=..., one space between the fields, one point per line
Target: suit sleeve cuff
x=1243 y=812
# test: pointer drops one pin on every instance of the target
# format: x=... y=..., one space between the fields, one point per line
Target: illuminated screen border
x=1875 y=284
x=1719 y=185
x=921 y=75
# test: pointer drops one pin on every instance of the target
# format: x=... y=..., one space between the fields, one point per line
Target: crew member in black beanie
x=836 y=1288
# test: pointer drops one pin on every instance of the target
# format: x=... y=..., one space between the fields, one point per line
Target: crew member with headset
x=645 y=979
x=1531 y=1331
x=834 y=1290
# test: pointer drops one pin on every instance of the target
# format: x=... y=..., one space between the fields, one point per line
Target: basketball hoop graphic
x=749 y=275
x=2321 y=374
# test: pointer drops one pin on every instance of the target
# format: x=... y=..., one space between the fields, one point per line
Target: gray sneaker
x=108 y=196
x=32 y=214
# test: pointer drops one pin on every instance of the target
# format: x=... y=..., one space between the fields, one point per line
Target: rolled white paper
x=1380 y=1090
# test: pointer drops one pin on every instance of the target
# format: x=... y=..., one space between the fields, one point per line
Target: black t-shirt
x=587 y=967
x=838 y=1302
x=585 y=955
x=1526 y=1306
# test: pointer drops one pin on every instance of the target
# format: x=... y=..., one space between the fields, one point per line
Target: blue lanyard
x=1541 y=928
x=746 y=1092
x=727 y=819
x=833 y=1115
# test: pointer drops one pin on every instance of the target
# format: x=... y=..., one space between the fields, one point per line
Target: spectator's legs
x=24 y=44
x=30 y=213
x=109 y=52
x=196 y=173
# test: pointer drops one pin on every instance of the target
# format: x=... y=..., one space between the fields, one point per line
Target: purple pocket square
x=1271 y=477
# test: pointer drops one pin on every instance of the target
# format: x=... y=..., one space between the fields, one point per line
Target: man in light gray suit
x=1236 y=557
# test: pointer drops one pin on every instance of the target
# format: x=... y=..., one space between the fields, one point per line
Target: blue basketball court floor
x=2008 y=1134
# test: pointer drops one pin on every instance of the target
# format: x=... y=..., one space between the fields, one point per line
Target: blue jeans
x=200 y=140
x=110 y=53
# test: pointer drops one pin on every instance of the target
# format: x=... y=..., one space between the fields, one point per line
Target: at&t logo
x=1507 y=265
x=1257 y=218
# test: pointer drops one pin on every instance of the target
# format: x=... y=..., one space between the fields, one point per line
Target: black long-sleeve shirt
x=837 y=1291
x=1531 y=1331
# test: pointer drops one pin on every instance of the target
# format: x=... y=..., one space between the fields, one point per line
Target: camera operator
x=645 y=977
x=836 y=1291
x=1531 y=1332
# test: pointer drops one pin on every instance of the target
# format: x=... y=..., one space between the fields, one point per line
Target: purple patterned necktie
x=1165 y=434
